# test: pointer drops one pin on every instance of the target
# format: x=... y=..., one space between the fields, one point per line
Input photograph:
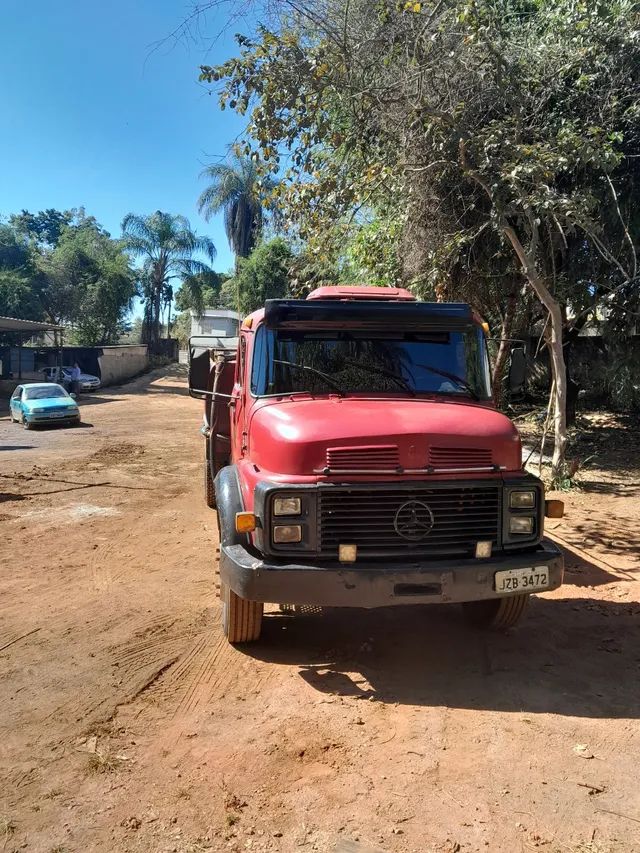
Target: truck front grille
x=423 y=520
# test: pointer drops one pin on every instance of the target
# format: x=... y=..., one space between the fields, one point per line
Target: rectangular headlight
x=522 y=500
x=287 y=506
x=521 y=524
x=284 y=533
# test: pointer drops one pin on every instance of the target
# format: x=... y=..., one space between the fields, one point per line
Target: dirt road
x=128 y=724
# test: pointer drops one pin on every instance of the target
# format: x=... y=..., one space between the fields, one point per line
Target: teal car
x=42 y=403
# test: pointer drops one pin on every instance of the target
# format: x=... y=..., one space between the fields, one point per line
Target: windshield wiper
x=462 y=383
x=330 y=382
x=376 y=368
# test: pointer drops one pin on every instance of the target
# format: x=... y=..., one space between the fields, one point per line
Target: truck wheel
x=241 y=619
x=496 y=613
x=209 y=489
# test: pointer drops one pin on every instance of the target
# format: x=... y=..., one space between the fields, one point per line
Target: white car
x=88 y=382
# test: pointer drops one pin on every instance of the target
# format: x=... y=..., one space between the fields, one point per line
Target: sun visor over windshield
x=360 y=314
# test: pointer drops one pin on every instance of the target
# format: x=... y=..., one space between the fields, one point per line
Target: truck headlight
x=522 y=500
x=287 y=506
x=521 y=524
x=286 y=533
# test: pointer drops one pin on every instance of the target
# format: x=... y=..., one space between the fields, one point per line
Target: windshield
x=44 y=393
x=326 y=362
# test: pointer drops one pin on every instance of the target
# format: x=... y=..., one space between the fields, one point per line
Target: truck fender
x=229 y=502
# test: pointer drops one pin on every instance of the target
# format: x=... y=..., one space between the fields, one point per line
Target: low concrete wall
x=7 y=387
x=120 y=363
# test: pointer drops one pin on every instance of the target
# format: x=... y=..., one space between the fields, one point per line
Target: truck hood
x=304 y=436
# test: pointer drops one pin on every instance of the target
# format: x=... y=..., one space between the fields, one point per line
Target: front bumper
x=378 y=585
x=61 y=418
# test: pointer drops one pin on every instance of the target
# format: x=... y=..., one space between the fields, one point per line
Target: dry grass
x=7 y=828
x=53 y=793
x=103 y=761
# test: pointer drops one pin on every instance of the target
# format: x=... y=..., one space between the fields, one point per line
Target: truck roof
x=359 y=301
x=389 y=294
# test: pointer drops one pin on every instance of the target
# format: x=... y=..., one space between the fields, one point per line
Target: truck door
x=238 y=404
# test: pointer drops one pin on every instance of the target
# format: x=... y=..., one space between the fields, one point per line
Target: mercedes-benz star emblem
x=413 y=521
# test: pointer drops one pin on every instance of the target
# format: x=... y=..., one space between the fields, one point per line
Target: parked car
x=88 y=382
x=43 y=403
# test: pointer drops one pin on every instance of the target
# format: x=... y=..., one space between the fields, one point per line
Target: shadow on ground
x=147 y=383
x=576 y=657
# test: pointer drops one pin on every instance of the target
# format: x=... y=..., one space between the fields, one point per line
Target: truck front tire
x=496 y=613
x=241 y=619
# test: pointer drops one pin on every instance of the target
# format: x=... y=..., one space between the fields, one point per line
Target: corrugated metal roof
x=13 y=324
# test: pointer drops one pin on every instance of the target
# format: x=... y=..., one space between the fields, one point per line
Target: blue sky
x=91 y=115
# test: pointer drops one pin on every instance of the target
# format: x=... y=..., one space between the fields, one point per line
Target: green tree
x=491 y=123
x=89 y=283
x=20 y=282
x=45 y=227
x=238 y=189
x=182 y=328
x=200 y=291
x=168 y=248
x=263 y=275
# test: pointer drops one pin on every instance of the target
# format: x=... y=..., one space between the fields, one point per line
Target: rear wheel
x=496 y=613
x=241 y=619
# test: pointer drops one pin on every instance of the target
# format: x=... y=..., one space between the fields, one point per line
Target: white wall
x=120 y=363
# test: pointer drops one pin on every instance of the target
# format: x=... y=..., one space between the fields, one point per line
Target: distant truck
x=355 y=459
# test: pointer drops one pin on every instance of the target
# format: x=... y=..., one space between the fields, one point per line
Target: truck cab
x=354 y=458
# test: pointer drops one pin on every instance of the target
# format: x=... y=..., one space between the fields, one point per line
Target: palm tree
x=167 y=245
x=238 y=189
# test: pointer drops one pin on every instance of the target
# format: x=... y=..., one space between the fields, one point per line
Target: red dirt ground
x=129 y=724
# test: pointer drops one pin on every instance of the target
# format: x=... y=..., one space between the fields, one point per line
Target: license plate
x=522 y=580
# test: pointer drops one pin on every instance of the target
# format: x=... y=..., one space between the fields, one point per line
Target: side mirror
x=73 y=396
x=517 y=370
x=200 y=363
x=199 y=371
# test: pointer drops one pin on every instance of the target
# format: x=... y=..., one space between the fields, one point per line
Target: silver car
x=88 y=382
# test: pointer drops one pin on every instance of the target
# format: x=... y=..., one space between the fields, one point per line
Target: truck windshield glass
x=365 y=362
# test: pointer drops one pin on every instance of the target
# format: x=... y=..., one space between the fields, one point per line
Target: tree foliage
x=263 y=275
x=169 y=250
x=503 y=132
x=65 y=268
x=239 y=190
x=200 y=291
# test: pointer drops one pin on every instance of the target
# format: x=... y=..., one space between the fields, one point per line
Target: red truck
x=355 y=459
